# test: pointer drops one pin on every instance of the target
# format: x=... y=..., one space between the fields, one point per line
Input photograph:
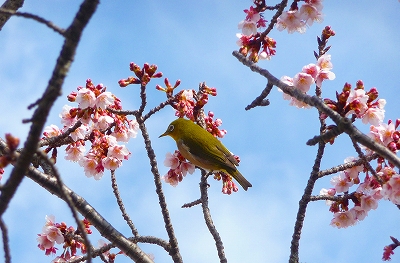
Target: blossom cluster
x=59 y=233
x=358 y=103
x=187 y=102
x=179 y=167
x=251 y=42
x=297 y=19
x=143 y=75
x=97 y=124
x=228 y=186
x=384 y=185
x=310 y=74
x=257 y=45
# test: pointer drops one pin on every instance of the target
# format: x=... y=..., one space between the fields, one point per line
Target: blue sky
x=193 y=41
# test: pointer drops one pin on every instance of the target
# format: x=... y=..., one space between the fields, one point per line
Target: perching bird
x=202 y=149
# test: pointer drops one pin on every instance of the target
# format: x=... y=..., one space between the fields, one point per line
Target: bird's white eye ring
x=171 y=128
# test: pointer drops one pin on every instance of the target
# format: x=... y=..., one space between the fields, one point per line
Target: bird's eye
x=171 y=128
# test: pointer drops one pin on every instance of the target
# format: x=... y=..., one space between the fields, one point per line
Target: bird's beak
x=162 y=135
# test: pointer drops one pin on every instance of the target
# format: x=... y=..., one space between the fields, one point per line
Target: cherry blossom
x=342 y=182
x=51 y=131
x=85 y=98
x=292 y=21
x=344 y=219
x=309 y=13
x=75 y=151
x=179 y=167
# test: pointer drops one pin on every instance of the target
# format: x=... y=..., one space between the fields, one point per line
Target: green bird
x=202 y=149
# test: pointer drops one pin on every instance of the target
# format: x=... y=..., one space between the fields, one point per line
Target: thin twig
x=208 y=219
x=6 y=245
x=121 y=204
x=36 y=18
x=345 y=166
x=158 y=108
x=152 y=240
x=367 y=165
x=61 y=139
x=174 y=252
x=260 y=100
x=191 y=204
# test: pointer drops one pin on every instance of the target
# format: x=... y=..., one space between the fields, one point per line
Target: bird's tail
x=240 y=179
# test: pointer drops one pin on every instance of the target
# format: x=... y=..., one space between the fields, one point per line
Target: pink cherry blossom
x=111 y=163
x=133 y=128
x=66 y=118
x=104 y=100
x=104 y=122
x=120 y=152
x=325 y=65
x=354 y=171
x=79 y=133
x=303 y=81
x=50 y=235
x=291 y=21
x=171 y=160
x=91 y=167
x=248 y=27
x=172 y=178
x=374 y=116
x=391 y=189
x=341 y=182
x=85 y=98
x=344 y=219
x=358 y=100
x=368 y=203
x=252 y=14
x=186 y=167
x=309 y=14
x=316 y=3
x=311 y=69
x=44 y=242
x=51 y=131
x=122 y=135
x=75 y=152
x=360 y=213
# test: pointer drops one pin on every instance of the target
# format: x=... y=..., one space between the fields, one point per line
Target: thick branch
x=10 y=5
x=44 y=105
x=86 y=210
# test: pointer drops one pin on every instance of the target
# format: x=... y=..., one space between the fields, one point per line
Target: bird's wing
x=212 y=153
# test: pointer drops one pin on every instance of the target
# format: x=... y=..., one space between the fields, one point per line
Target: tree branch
x=44 y=105
x=10 y=5
x=208 y=219
x=343 y=124
x=39 y=19
x=174 y=251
